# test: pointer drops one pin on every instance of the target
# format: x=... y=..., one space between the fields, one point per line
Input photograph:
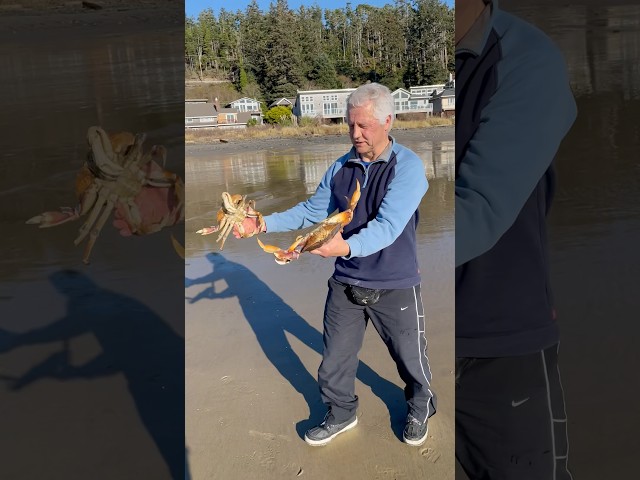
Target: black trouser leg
x=510 y=418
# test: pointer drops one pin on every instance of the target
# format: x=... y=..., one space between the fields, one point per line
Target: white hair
x=380 y=98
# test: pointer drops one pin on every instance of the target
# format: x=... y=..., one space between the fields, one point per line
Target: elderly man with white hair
x=376 y=273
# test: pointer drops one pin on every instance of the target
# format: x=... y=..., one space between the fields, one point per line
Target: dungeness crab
x=118 y=175
x=234 y=209
x=320 y=235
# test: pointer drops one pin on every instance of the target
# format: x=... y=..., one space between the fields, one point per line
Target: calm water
x=280 y=178
x=111 y=333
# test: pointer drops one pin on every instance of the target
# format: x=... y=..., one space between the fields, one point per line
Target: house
x=283 y=102
x=227 y=116
x=426 y=90
x=328 y=104
x=206 y=115
x=200 y=115
x=444 y=103
x=407 y=102
x=246 y=104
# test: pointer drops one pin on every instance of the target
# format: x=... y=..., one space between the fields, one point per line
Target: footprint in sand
x=430 y=454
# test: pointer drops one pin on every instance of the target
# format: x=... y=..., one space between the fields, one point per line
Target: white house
x=322 y=103
x=407 y=102
x=250 y=105
x=246 y=104
x=426 y=90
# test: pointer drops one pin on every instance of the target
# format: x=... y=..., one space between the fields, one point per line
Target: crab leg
x=96 y=230
x=84 y=230
x=208 y=230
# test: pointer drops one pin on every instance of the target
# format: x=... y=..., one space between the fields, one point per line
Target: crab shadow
x=134 y=342
x=256 y=298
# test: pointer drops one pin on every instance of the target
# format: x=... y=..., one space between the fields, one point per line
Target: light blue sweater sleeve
x=313 y=210
x=519 y=134
x=400 y=202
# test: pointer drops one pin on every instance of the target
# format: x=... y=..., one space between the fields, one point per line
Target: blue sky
x=194 y=7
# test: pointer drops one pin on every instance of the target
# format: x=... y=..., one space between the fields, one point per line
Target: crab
x=117 y=175
x=319 y=236
x=234 y=209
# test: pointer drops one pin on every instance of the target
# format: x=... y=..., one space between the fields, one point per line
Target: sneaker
x=327 y=431
x=415 y=433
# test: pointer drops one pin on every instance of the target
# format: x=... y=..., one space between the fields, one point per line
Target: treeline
x=273 y=54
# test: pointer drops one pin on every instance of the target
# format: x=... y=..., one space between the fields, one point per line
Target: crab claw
x=282 y=256
x=102 y=153
x=52 y=219
x=355 y=197
x=207 y=230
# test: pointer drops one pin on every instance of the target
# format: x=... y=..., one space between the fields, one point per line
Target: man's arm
x=519 y=134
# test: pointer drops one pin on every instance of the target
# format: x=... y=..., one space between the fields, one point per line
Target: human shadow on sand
x=270 y=317
x=134 y=342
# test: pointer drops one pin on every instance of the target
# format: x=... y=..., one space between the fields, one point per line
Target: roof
x=447 y=92
x=199 y=110
x=309 y=92
x=244 y=98
x=228 y=110
x=283 y=100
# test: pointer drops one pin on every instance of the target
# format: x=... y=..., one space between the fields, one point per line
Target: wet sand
x=253 y=346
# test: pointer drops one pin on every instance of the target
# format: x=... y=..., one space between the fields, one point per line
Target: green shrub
x=278 y=116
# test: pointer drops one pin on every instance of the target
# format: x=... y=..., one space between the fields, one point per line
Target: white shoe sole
x=320 y=443
x=416 y=443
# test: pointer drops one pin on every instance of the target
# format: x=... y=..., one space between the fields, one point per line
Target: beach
x=253 y=333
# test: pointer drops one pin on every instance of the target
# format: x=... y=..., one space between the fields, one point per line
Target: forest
x=272 y=54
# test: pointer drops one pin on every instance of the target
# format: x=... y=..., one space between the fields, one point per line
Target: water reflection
x=208 y=175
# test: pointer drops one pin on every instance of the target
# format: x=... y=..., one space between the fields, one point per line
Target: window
x=308 y=109
x=401 y=105
x=330 y=108
x=330 y=98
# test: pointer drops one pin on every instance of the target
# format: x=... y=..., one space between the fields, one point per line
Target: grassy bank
x=269 y=131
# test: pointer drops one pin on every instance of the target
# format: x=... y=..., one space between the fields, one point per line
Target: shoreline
x=439 y=133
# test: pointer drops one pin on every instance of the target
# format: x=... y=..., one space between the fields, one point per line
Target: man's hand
x=336 y=247
x=250 y=226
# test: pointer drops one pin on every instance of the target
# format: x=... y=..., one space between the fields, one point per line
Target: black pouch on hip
x=363 y=296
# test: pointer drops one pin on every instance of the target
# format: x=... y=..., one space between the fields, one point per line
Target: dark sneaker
x=327 y=431
x=415 y=433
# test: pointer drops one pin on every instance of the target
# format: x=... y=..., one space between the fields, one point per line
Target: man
x=376 y=273
x=514 y=106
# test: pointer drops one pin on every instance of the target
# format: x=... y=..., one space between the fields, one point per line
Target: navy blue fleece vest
x=503 y=300
x=395 y=266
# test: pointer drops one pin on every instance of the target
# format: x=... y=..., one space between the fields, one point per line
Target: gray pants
x=399 y=319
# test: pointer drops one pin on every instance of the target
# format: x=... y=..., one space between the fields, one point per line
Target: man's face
x=368 y=136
